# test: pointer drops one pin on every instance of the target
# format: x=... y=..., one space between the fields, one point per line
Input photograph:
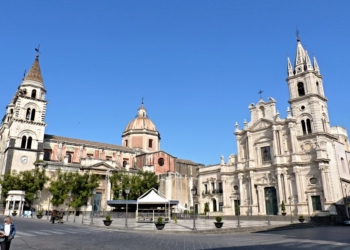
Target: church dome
x=141 y=121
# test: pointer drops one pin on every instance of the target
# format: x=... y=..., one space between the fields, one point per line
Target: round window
x=161 y=161
x=313 y=180
x=302 y=107
x=235 y=187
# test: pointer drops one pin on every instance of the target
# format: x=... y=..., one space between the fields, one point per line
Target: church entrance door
x=97 y=201
x=271 y=201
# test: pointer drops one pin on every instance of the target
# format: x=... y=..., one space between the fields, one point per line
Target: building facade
x=301 y=160
x=24 y=145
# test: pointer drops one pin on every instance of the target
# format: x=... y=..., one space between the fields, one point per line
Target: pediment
x=101 y=166
x=261 y=124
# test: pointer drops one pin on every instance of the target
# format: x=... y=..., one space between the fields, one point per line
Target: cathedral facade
x=300 y=160
x=25 y=146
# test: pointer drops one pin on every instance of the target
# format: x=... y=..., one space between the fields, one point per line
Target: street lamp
x=31 y=209
x=127 y=191
x=308 y=209
x=92 y=206
x=238 y=213
x=69 y=195
x=48 y=210
x=194 y=193
x=290 y=209
x=267 y=198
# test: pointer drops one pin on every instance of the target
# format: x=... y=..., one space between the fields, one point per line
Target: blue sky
x=198 y=64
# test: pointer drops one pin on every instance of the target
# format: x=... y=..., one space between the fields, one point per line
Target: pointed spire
x=317 y=69
x=290 y=68
x=308 y=61
x=34 y=73
x=300 y=58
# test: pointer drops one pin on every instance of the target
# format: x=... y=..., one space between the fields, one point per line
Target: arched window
x=32 y=117
x=301 y=90
x=11 y=111
x=318 y=88
x=24 y=141
x=33 y=93
x=308 y=125
x=28 y=114
x=303 y=125
x=29 y=143
x=124 y=164
x=262 y=111
x=126 y=143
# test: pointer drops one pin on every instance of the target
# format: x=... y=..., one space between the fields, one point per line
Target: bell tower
x=23 y=126
x=307 y=98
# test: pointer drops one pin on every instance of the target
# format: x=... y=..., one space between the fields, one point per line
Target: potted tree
x=107 y=221
x=218 y=223
x=283 y=208
x=14 y=213
x=206 y=209
x=301 y=218
x=160 y=224
x=40 y=214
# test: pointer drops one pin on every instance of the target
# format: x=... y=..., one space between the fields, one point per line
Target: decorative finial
x=297 y=33
x=260 y=92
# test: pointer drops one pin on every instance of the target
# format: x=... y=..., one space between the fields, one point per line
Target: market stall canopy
x=153 y=197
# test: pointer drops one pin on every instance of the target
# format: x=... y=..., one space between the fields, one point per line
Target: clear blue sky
x=198 y=64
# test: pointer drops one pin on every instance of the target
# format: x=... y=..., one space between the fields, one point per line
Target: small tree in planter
x=206 y=208
x=218 y=223
x=283 y=208
x=301 y=218
x=40 y=214
x=160 y=224
x=14 y=213
x=107 y=221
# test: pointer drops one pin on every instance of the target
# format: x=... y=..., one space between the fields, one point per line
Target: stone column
x=253 y=198
x=275 y=149
x=239 y=156
x=258 y=158
x=291 y=127
x=296 y=171
x=279 y=186
x=324 y=182
x=241 y=193
x=262 y=209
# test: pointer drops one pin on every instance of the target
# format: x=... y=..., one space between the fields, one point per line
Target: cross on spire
x=260 y=92
x=297 y=34
x=38 y=49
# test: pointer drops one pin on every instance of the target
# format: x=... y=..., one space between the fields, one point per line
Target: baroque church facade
x=25 y=146
x=300 y=160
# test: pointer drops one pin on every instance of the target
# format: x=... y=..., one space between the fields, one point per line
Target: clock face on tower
x=24 y=159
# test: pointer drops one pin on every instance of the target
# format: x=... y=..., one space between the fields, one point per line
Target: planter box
x=107 y=222
x=218 y=224
x=301 y=220
x=14 y=214
x=39 y=216
x=284 y=213
x=159 y=226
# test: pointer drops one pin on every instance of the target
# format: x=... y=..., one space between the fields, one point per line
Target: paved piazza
x=40 y=235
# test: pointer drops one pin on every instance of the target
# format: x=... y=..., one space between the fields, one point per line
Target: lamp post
x=238 y=213
x=267 y=198
x=290 y=209
x=127 y=191
x=194 y=193
x=92 y=206
x=31 y=209
x=48 y=209
x=69 y=195
x=308 y=209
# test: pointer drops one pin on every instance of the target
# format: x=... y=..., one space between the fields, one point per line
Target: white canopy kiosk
x=155 y=198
